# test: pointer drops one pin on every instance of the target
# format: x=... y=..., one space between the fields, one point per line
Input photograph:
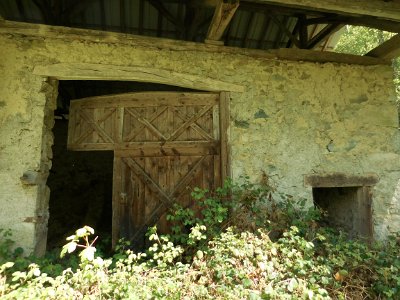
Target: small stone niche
x=346 y=199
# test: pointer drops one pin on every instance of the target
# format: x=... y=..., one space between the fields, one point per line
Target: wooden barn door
x=164 y=144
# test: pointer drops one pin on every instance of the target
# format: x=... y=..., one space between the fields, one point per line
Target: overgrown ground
x=247 y=245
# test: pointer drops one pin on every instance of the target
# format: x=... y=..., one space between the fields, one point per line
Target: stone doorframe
x=52 y=73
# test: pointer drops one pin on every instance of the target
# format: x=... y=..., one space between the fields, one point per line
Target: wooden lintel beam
x=66 y=35
x=323 y=34
x=387 y=50
x=389 y=10
x=223 y=14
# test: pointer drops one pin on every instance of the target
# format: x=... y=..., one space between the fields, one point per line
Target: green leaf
x=71 y=247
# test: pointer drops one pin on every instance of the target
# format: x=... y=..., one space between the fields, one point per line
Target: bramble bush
x=242 y=244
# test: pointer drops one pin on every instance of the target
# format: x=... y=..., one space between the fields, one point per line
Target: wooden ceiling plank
x=267 y=23
x=167 y=14
x=323 y=34
x=141 y=16
x=247 y=29
x=389 y=10
x=387 y=50
x=228 y=34
x=159 y=24
x=122 y=17
x=103 y=15
x=21 y=9
x=223 y=14
x=44 y=10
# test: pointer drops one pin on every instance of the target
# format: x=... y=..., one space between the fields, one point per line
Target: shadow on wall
x=81 y=189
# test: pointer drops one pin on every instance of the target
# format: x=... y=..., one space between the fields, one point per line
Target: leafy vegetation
x=243 y=244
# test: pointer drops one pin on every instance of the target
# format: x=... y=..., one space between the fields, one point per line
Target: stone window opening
x=346 y=200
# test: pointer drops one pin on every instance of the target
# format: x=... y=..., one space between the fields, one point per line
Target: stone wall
x=26 y=119
x=293 y=118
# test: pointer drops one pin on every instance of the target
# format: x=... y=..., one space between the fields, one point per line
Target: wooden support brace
x=324 y=34
x=223 y=14
x=388 y=50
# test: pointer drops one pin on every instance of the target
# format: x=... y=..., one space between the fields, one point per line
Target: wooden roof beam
x=387 y=50
x=358 y=21
x=389 y=10
x=223 y=14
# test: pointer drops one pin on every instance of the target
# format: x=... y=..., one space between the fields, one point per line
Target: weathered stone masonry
x=292 y=118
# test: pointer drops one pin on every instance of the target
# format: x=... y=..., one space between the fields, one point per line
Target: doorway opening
x=81 y=182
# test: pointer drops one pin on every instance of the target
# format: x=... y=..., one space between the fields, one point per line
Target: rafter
x=389 y=10
x=223 y=14
x=388 y=50
x=358 y=21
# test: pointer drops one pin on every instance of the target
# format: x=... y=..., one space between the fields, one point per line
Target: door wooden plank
x=224 y=118
x=148 y=180
x=184 y=181
x=118 y=125
x=118 y=177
